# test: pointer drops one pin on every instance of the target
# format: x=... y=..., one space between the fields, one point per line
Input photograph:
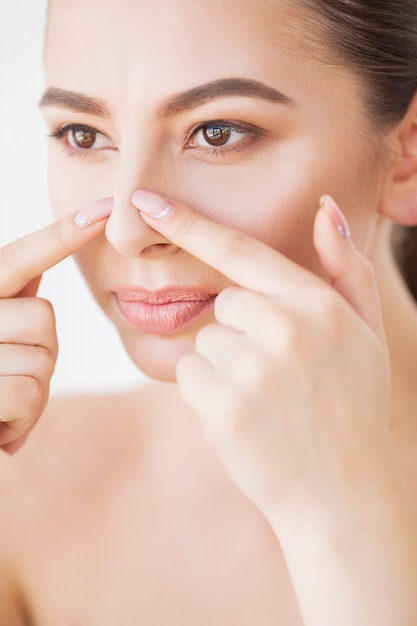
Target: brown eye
x=83 y=137
x=216 y=135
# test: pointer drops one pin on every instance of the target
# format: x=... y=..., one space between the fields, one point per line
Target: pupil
x=217 y=135
x=84 y=137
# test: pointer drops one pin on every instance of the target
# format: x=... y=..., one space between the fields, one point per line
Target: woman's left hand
x=292 y=382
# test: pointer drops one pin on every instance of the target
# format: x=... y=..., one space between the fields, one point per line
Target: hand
x=292 y=382
x=28 y=343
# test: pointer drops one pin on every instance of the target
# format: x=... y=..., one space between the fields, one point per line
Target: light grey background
x=91 y=356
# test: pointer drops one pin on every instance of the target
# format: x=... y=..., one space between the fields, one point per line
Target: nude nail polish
x=151 y=203
x=94 y=212
x=339 y=218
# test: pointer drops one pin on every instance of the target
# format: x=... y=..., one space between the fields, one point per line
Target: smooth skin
x=254 y=440
x=278 y=491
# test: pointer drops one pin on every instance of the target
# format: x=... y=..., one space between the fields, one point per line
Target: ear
x=399 y=200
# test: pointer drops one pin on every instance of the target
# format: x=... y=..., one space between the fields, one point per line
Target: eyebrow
x=175 y=105
x=75 y=101
x=223 y=88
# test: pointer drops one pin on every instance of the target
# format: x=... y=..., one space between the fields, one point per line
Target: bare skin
x=255 y=494
x=151 y=532
x=107 y=477
x=144 y=501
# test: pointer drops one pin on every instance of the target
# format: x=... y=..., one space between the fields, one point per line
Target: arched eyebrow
x=223 y=88
x=174 y=105
x=74 y=101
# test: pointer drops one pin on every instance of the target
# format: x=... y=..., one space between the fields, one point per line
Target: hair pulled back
x=378 y=40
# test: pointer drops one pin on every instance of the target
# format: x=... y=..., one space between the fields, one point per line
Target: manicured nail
x=151 y=203
x=94 y=212
x=339 y=218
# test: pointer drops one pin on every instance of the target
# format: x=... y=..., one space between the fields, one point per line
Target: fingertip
x=93 y=213
x=348 y=270
x=151 y=204
x=339 y=219
x=331 y=236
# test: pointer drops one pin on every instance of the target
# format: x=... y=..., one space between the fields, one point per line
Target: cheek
x=75 y=184
x=276 y=209
x=276 y=199
x=93 y=261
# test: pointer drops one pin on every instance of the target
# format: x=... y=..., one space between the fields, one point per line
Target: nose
x=125 y=229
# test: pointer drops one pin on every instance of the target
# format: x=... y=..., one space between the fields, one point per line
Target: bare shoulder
x=83 y=435
x=75 y=440
x=86 y=428
x=77 y=449
x=75 y=437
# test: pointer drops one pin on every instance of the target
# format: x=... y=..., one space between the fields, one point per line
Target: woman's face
x=227 y=106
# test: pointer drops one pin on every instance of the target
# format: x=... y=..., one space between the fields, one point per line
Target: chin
x=157 y=357
x=158 y=371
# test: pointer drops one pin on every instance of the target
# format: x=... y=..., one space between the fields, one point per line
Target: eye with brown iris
x=217 y=135
x=84 y=137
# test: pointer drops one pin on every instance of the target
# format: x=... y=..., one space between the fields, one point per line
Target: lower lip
x=163 y=319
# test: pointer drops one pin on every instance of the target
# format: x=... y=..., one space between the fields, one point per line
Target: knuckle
x=283 y=331
x=325 y=303
x=238 y=246
x=294 y=342
x=42 y=313
x=254 y=373
x=59 y=231
x=7 y=256
x=33 y=396
x=186 y=226
x=318 y=303
x=21 y=401
x=45 y=363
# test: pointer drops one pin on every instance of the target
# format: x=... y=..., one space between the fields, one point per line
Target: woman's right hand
x=28 y=342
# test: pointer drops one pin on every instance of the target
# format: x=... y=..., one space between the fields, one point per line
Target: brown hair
x=378 y=39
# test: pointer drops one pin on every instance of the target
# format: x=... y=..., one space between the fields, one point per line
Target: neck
x=400 y=319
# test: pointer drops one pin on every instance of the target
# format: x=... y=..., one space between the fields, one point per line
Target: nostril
x=158 y=248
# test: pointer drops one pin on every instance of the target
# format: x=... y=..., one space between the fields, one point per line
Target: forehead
x=177 y=41
x=215 y=17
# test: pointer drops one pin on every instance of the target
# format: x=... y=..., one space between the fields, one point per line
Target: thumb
x=349 y=272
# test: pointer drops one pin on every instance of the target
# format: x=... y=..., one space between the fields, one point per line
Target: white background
x=91 y=356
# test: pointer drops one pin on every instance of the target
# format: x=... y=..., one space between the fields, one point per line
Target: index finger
x=28 y=257
x=233 y=253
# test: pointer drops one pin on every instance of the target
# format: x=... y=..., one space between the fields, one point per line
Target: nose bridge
x=138 y=167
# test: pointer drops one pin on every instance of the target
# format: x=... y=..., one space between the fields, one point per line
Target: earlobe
x=399 y=201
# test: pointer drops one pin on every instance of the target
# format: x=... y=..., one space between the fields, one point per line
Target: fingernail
x=94 y=212
x=339 y=218
x=151 y=203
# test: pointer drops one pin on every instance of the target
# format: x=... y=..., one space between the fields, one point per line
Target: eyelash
x=61 y=134
x=249 y=134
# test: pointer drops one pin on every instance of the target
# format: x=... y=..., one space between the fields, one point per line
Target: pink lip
x=163 y=312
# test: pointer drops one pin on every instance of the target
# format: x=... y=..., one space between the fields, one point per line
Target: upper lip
x=164 y=296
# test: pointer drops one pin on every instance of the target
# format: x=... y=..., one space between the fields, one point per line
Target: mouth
x=163 y=312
